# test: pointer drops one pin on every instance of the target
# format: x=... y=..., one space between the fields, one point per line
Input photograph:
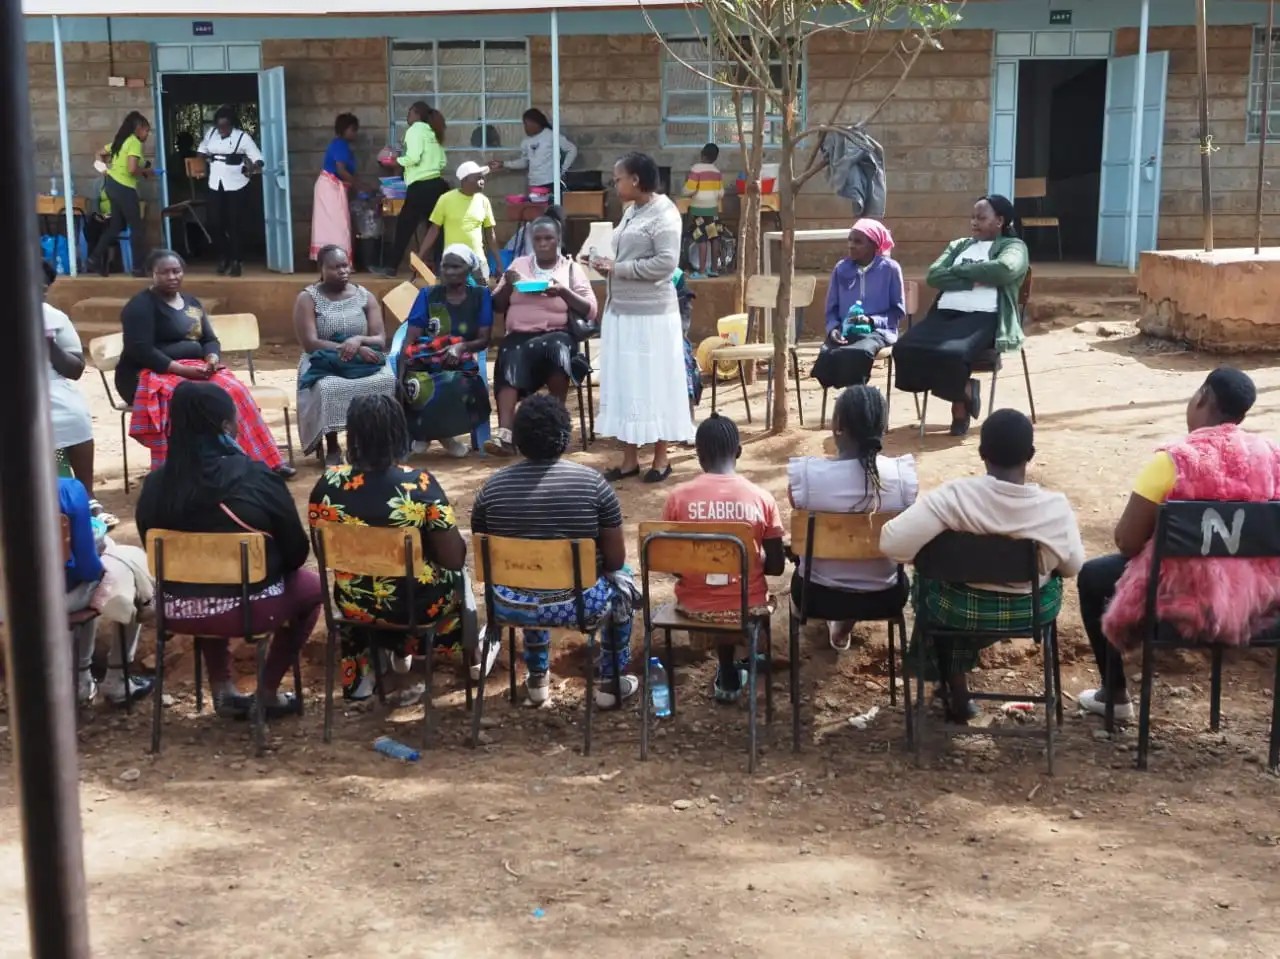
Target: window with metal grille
x=1257 y=79
x=696 y=111
x=481 y=87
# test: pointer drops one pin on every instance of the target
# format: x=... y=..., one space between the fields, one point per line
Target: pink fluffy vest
x=1216 y=600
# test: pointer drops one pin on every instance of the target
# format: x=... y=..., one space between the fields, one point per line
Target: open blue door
x=1117 y=158
x=157 y=87
x=1004 y=127
x=274 y=141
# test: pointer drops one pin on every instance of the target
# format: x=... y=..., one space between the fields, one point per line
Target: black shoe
x=140 y=687
x=235 y=269
x=285 y=704
x=94 y=266
x=974 y=401
x=615 y=473
x=960 y=427
x=233 y=705
x=223 y=265
x=386 y=271
x=656 y=475
x=285 y=471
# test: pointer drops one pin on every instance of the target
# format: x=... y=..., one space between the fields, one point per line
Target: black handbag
x=578 y=326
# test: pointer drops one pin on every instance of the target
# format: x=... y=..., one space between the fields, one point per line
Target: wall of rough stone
x=1234 y=163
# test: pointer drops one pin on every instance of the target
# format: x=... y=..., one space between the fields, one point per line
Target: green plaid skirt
x=955 y=606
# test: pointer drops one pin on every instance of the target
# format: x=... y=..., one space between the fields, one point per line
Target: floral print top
x=404 y=497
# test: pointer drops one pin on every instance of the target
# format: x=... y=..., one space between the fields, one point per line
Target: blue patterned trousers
x=555 y=610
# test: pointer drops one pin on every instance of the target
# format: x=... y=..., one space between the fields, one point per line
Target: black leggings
x=125 y=211
x=226 y=220
x=1097 y=583
x=419 y=203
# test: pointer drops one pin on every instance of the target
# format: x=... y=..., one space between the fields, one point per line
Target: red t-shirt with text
x=721 y=498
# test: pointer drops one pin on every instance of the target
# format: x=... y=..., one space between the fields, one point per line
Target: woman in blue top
x=865 y=303
x=330 y=216
x=442 y=382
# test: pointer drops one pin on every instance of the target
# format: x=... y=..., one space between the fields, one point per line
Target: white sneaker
x=401 y=664
x=490 y=655
x=604 y=690
x=537 y=687
x=455 y=447
x=86 y=688
x=364 y=689
x=418 y=446
x=1091 y=701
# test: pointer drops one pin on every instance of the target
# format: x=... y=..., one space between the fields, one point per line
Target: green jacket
x=423 y=155
x=1006 y=269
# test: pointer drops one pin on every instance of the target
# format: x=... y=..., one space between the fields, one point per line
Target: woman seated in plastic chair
x=439 y=355
x=208 y=485
x=856 y=480
x=999 y=503
x=376 y=490
x=544 y=296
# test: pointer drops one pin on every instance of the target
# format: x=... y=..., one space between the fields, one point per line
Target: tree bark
x=749 y=232
x=786 y=262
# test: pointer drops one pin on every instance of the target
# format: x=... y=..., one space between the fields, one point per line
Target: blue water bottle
x=396 y=750
x=659 y=688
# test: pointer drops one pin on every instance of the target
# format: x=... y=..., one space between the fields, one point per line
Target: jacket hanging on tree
x=855 y=169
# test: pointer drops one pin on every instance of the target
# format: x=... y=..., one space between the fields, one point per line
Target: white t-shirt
x=981 y=299
x=72 y=423
x=223 y=175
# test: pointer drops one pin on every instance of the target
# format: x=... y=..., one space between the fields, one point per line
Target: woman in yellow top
x=123 y=157
x=422 y=164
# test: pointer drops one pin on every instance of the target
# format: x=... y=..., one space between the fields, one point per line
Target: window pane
x=692 y=51
x=460 y=80
x=498 y=136
x=722 y=105
x=722 y=132
x=677 y=76
x=687 y=134
x=460 y=51
x=506 y=79
x=400 y=104
x=686 y=104
x=506 y=52
x=411 y=81
x=412 y=54
x=460 y=109
x=504 y=108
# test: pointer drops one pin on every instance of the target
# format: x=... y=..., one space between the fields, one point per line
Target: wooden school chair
x=702 y=549
x=543 y=564
x=239 y=333
x=1037 y=188
x=210 y=559
x=838 y=536
x=106 y=352
x=389 y=552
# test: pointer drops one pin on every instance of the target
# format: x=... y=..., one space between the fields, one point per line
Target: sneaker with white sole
x=604 y=690
x=418 y=446
x=401 y=664
x=455 y=447
x=537 y=687
x=490 y=655
x=1093 y=701
x=112 y=687
x=86 y=688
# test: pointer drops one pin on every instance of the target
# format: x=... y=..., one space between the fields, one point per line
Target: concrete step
x=1066 y=310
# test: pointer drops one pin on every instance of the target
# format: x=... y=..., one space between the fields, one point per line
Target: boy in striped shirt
x=705 y=188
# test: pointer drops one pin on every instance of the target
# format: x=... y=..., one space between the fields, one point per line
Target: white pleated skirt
x=644 y=396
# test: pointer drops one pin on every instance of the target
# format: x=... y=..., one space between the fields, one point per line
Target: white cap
x=471 y=168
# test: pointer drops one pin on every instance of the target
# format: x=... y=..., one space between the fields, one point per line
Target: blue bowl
x=532 y=286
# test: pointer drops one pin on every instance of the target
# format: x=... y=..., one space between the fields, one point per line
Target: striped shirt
x=704 y=187
x=557 y=500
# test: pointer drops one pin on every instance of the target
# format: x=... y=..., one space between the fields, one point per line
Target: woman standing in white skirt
x=643 y=395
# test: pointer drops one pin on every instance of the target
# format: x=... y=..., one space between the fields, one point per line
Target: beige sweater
x=988 y=506
x=646 y=252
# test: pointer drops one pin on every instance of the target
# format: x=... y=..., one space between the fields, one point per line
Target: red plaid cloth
x=149 y=424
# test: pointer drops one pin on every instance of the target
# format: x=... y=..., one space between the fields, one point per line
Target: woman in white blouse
x=232 y=157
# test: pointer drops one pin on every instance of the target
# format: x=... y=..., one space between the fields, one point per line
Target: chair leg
x=893 y=669
x=297 y=681
x=582 y=420
x=671 y=671
x=768 y=395
x=924 y=411
x=1273 y=756
x=1215 y=690
x=793 y=670
x=991 y=399
x=888 y=388
x=795 y=368
x=752 y=697
x=197 y=646
x=157 y=694
x=428 y=712
x=259 y=704
x=906 y=677
x=591 y=694
x=124 y=450
x=478 y=711
x=288 y=435
x=375 y=659
x=768 y=672
x=1057 y=676
x=916 y=736
x=1026 y=373
x=715 y=378
x=591 y=409
x=1144 y=704
x=915 y=398
x=122 y=632
x=644 y=694
x=1059 y=232
x=330 y=657
x=742 y=381
x=511 y=665
x=822 y=420
x=1046 y=654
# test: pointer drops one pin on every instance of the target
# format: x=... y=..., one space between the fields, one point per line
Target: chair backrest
x=911 y=294
x=533 y=564
x=697 y=548
x=388 y=551
x=843 y=536
x=207 y=559
x=423 y=271
x=236 y=332
x=399 y=302
x=1031 y=188
x=953 y=557
x=1203 y=529
x=762 y=294
x=106 y=351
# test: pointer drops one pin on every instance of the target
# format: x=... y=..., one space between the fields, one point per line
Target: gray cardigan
x=646 y=251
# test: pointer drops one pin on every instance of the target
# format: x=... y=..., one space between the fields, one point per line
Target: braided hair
x=377 y=433
x=717 y=441
x=1003 y=208
x=199 y=414
x=860 y=418
x=542 y=428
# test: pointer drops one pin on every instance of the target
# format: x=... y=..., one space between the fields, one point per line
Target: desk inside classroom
x=47 y=205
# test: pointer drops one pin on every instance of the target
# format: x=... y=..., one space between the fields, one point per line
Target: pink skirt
x=330 y=217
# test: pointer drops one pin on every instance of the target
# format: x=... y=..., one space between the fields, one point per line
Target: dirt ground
x=526 y=848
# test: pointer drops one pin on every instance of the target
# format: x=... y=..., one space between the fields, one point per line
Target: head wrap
x=465 y=254
x=877 y=233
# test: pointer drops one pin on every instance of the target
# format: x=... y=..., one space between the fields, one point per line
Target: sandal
x=109 y=520
x=657 y=475
x=615 y=473
x=284 y=704
x=729 y=697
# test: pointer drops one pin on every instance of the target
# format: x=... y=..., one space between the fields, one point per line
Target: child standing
x=721 y=495
x=705 y=188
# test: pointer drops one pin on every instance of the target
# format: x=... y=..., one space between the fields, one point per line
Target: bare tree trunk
x=786 y=263
x=749 y=232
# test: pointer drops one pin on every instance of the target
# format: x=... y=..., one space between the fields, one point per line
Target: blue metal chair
x=482 y=432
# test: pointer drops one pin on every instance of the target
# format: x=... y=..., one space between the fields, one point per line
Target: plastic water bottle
x=53 y=186
x=396 y=750
x=659 y=688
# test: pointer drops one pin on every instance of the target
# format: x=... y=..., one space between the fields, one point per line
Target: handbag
x=578 y=326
